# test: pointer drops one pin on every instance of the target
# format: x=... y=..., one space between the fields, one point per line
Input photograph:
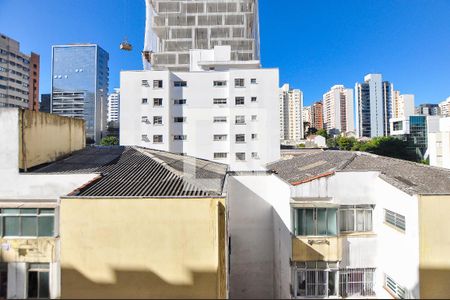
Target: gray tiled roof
x=140 y=172
x=410 y=177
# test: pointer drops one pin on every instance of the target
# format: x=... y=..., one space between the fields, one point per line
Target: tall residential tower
x=291 y=119
x=338 y=110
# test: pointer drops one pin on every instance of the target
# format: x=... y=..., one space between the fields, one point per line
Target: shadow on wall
x=302 y=251
x=132 y=284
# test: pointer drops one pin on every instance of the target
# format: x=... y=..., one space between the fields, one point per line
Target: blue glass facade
x=80 y=79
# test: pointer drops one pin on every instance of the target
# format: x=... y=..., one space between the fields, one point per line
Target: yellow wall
x=46 y=137
x=143 y=248
x=321 y=249
x=28 y=250
x=434 y=246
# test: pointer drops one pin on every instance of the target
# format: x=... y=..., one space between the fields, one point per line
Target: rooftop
x=141 y=172
x=300 y=166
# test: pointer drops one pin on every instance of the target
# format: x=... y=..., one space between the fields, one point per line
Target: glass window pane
x=45 y=226
x=350 y=220
x=47 y=211
x=321 y=221
x=368 y=220
x=28 y=211
x=32 y=284
x=332 y=284
x=29 y=226
x=300 y=222
x=332 y=221
x=321 y=283
x=14 y=211
x=359 y=220
x=44 y=288
x=12 y=226
x=310 y=230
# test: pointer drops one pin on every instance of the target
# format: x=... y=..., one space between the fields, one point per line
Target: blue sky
x=314 y=43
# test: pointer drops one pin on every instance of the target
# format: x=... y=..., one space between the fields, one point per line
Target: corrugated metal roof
x=139 y=172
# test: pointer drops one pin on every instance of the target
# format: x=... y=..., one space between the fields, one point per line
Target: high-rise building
x=428 y=109
x=177 y=26
x=291 y=108
x=306 y=114
x=338 y=110
x=44 y=105
x=113 y=106
x=228 y=116
x=444 y=107
x=317 y=115
x=402 y=105
x=413 y=130
x=80 y=79
x=373 y=106
x=19 y=76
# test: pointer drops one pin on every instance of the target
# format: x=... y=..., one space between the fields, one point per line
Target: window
x=144 y=138
x=38 y=281
x=254 y=136
x=144 y=119
x=357 y=282
x=179 y=101
x=220 y=137
x=220 y=155
x=394 y=219
x=179 y=137
x=30 y=222
x=3 y=280
x=144 y=100
x=220 y=83
x=157 y=101
x=240 y=120
x=157 y=120
x=220 y=101
x=143 y=83
x=240 y=156
x=157 y=139
x=240 y=138
x=239 y=82
x=179 y=83
x=157 y=84
x=179 y=119
x=255 y=155
x=239 y=100
x=254 y=117
x=220 y=119
x=315 y=221
x=316 y=279
x=253 y=81
x=253 y=99
x=394 y=287
x=354 y=218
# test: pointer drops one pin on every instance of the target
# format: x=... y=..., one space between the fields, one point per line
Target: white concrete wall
x=439 y=143
x=259 y=228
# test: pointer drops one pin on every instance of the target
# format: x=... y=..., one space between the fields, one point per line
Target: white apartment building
x=291 y=110
x=445 y=107
x=307 y=114
x=301 y=224
x=439 y=144
x=402 y=105
x=338 y=114
x=373 y=106
x=221 y=110
x=113 y=106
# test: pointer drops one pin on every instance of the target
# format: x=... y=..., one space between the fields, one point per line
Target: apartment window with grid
x=157 y=138
x=219 y=119
x=254 y=118
x=144 y=138
x=220 y=137
x=220 y=83
x=315 y=221
x=157 y=84
x=157 y=120
x=357 y=282
x=240 y=138
x=157 y=101
x=253 y=81
x=144 y=100
x=254 y=136
x=179 y=83
x=145 y=83
x=395 y=219
x=356 y=218
x=38 y=281
x=392 y=286
x=27 y=222
x=240 y=156
x=179 y=119
x=239 y=100
x=253 y=99
x=179 y=101
x=239 y=82
x=255 y=155
x=144 y=119
x=220 y=155
x=240 y=120
x=179 y=137
x=316 y=279
x=220 y=101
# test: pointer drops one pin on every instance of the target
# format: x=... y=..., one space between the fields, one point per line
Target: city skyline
x=339 y=49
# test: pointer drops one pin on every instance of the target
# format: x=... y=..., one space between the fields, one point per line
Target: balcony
x=315 y=248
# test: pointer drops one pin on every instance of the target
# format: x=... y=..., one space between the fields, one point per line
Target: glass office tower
x=80 y=78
